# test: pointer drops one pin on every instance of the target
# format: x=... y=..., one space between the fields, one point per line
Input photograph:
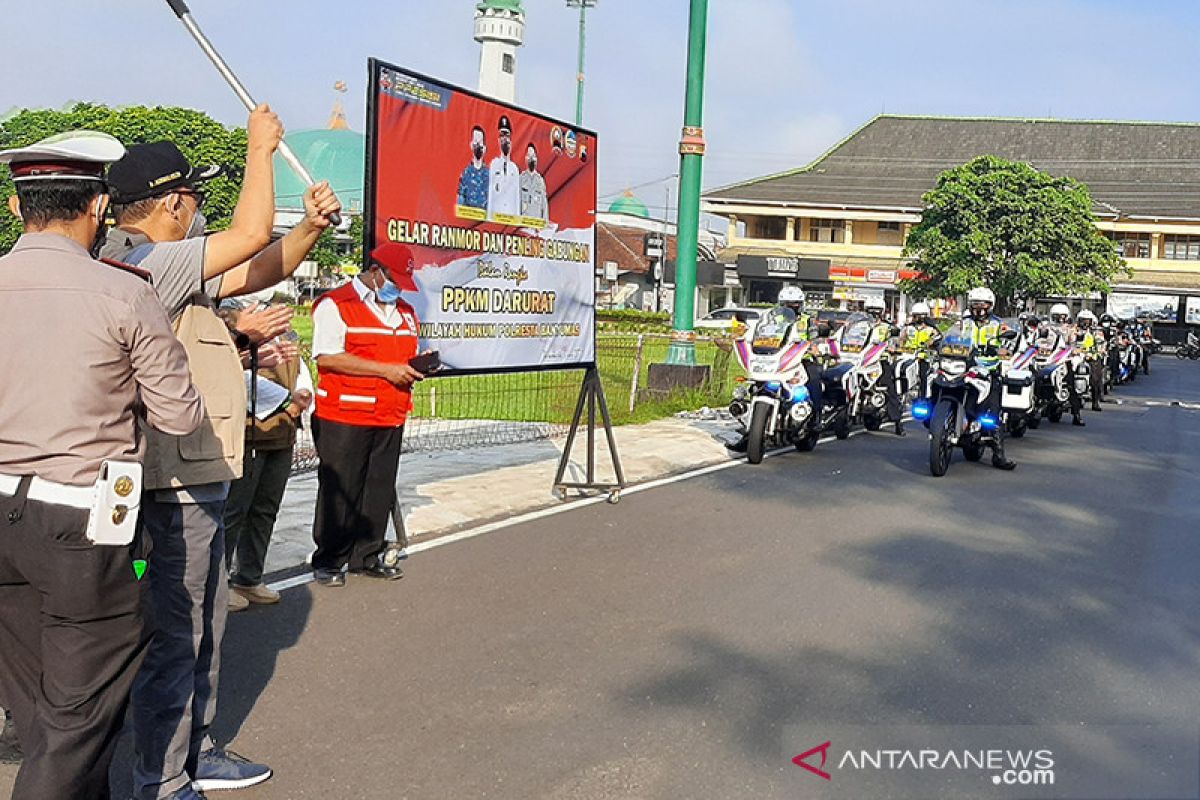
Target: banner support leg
x=591 y=395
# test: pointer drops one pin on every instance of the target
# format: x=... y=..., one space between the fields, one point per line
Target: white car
x=723 y=318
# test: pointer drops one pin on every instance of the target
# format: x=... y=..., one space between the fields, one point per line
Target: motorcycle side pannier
x=1017 y=393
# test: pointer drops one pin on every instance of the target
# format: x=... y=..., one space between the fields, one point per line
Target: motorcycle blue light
x=921 y=410
x=800 y=394
x=774 y=385
x=988 y=422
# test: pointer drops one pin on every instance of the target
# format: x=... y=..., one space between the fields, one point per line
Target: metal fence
x=460 y=413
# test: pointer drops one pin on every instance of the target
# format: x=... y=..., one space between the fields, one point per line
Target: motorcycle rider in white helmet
x=882 y=331
x=984 y=329
x=1060 y=325
x=1090 y=341
x=920 y=338
x=792 y=298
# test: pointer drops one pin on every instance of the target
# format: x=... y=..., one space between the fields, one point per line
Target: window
x=770 y=228
x=1181 y=248
x=827 y=230
x=509 y=64
x=1131 y=245
x=889 y=226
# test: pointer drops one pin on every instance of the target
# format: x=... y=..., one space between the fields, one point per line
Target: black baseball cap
x=153 y=169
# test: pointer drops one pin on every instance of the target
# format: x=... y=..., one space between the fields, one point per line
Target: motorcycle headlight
x=953 y=367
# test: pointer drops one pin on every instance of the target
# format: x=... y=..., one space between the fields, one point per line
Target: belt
x=44 y=491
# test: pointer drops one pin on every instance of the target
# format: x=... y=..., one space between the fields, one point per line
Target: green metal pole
x=691 y=149
x=582 y=46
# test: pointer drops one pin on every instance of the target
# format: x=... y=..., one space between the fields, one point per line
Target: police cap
x=153 y=169
x=76 y=155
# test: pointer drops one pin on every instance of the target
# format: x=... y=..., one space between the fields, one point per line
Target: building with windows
x=838 y=225
x=635 y=260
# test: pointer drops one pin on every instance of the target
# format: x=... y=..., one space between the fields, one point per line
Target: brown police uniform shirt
x=85 y=346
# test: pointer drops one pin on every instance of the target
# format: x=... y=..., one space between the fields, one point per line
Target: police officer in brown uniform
x=91 y=348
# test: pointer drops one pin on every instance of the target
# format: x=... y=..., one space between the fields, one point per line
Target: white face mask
x=196 y=227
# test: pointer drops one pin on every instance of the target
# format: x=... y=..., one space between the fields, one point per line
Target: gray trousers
x=175 y=694
x=250 y=513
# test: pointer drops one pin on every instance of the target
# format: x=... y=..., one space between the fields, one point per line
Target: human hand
x=263 y=324
x=302 y=399
x=275 y=353
x=264 y=130
x=401 y=375
x=320 y=203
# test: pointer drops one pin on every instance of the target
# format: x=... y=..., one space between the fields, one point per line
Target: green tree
x=329 y=255
x=1005 y=225
x=202 y=139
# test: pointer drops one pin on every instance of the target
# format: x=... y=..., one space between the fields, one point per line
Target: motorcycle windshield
x=857 y=332
x=957 y=343
x=772 y=330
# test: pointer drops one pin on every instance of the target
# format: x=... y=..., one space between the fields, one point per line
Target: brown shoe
x=258 y=594
x=237 y=602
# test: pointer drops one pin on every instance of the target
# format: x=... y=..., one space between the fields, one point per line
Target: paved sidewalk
x=446 y=492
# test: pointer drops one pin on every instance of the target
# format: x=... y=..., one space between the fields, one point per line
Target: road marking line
x=543 y=513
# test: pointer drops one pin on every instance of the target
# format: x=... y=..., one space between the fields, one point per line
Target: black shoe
x=900 y=429
x=1096 y=407
x=381 y=572
x=740 y=446
x=1000 y=462
x=1078 y=422
x=329 y=577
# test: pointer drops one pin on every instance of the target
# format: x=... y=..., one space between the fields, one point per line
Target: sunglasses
x=200 y=197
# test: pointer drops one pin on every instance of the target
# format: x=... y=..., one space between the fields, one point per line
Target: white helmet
x=981 y=295
x=874 y=304
x=791 y=294
x=920 y=308
x=1060 y=310
x=1085 y=314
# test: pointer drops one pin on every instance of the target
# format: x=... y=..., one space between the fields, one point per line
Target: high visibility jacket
x=361 y=400
x=918 y=338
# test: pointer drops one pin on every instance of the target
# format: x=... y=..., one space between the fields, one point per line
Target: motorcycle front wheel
x=940 y=446
x=757 y=444
x=1018 y=431
x=1194 y=354
x=1181 y=354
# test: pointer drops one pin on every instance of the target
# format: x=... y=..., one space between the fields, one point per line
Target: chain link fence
x=461 y=413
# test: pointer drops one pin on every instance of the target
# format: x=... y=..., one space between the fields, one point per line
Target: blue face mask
x=388 y=293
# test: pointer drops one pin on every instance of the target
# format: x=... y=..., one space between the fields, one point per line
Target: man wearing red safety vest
x=364 y=335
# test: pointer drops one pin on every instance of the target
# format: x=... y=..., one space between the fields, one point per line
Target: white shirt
x=504 y=190
x=329 y=329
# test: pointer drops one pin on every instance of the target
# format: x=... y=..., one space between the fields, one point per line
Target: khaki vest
x=278 y=431
x=213 y=452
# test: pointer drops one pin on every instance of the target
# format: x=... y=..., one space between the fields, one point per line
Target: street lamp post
x=691 y=153
x=583 y=6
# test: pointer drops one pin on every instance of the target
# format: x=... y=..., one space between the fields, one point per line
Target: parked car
x=723 y=318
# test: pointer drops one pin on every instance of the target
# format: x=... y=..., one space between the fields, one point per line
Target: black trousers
x=1096 y=366
x=891 y=395
x=71 y=642
x=356 y=489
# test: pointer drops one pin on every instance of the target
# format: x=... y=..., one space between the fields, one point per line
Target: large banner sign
x=498 y=207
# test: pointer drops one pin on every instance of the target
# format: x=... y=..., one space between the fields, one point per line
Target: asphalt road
x=663 y=647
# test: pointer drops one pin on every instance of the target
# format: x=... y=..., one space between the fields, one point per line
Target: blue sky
x=786 y=78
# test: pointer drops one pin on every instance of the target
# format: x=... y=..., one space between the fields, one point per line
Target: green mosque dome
x=337 y=156
x=630 y=205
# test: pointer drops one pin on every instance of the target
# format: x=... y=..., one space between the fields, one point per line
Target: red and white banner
x=498 y=206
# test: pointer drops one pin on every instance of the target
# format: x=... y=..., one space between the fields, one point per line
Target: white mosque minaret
x=500 y=30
